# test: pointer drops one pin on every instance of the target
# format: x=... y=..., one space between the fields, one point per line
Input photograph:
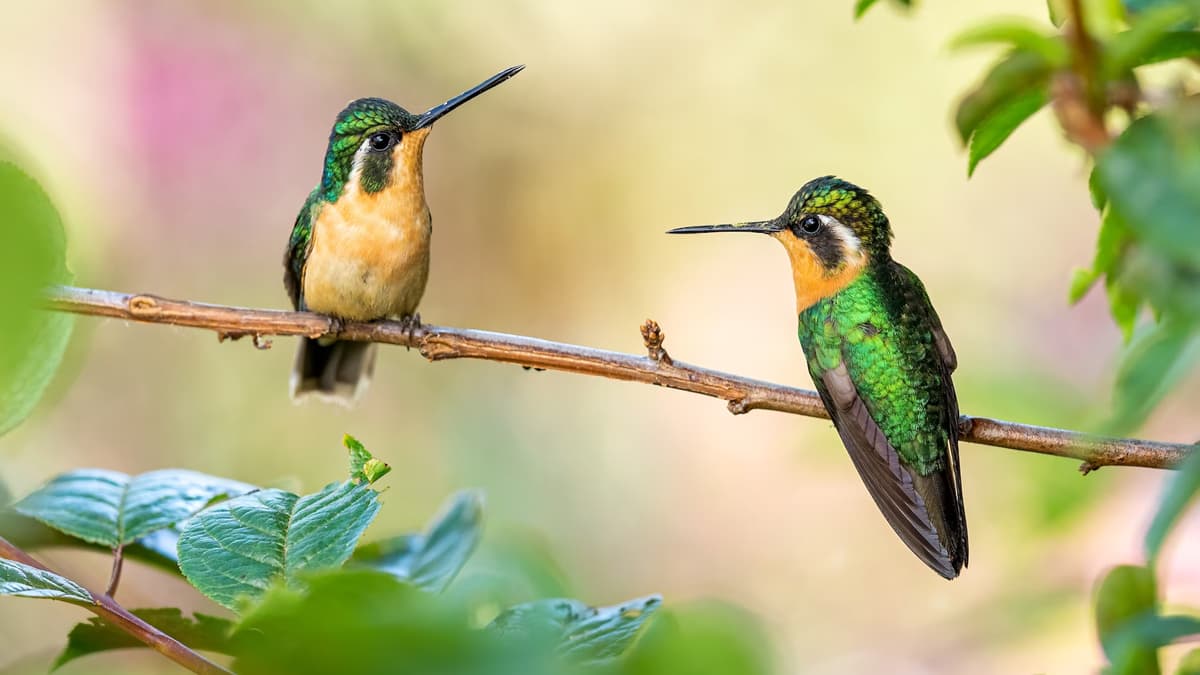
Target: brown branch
x=1079 y=98
x=106 y=608
x=743 y=394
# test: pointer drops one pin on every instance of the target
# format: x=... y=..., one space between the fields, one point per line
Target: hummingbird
x=880 y=361
x=359 y=250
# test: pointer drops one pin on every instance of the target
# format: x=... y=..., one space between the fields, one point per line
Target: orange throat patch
x=813 y=281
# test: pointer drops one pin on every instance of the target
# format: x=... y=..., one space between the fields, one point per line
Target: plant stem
x=108 y=609
x=437 y=343
x=114 y=578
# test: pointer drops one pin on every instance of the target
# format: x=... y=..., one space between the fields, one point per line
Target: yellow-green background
x=179 y=140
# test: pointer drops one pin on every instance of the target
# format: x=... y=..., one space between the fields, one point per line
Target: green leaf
x=1110 y=247
x=1170 y=45
x=1124 y=305
x=113 y=509
x=32 y=257
x=1096 y=191
x=1136 y=643
x=240 y=547
x=363 y=466
x=708 y=639
x=1000 y=124
x=362 y=622
x=431 y=560
x=1151 y=366
x=861 y=7
x=1151 y=174
x=1058 y=12
x=1180 y=492
x=1131 y=48
x=156 y=549
x=580 y=632
x=21 y=580
x=1017 y=33
x=203 y=633
x=1017 y=74
x=1126 y=592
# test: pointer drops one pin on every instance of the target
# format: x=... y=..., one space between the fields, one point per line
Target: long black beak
x=436 y=112
x=760 y=226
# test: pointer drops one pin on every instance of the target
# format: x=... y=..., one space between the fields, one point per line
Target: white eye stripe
x=850 y=241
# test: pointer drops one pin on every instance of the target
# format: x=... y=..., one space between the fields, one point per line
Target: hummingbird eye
x=809 y=225
x=381 y=141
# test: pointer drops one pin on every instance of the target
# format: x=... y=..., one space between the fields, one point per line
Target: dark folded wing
x=296 y=254
x=923 y=510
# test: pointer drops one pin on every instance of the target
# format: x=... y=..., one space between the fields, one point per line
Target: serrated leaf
x=201 y=632
x=32 y=256
x=431 y=560
x=31 y=534
x=363 y=466
x=1017 y=33
x=1130 y=48
x=1019 y=73
x=1000 y=124
x=580 y=632
x=113 y=509
x=1180 y=492
x=238 y=548
x=1149 y=369
x=1126 y=593
x=1151 y=174
x=21 y=580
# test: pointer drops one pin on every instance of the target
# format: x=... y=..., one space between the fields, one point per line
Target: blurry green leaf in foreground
x=1136 y=643
x=239 y=548
x=1150 y=368
x=1000 y=124
x=19 y=579
x=362 y=622
x=1124 y=595
x=1181 y=491
x=1190 y=663
x=1137 y=45
x=430 y=560
x=113 y=509
x=32 y=256
x=707 y=639
x=1110 y=245
x=1171 y=45
x=1018 y=75
x=579 y=631
x=1058 y=12
x=203 y=633
x=1151 y=175
x=1017 y=33
x=861 y=6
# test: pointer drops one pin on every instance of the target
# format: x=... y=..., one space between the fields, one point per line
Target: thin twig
x=108 y=609
x=743 y=394
x=1079 y=97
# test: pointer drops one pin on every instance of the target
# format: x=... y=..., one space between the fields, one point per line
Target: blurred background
x=180 y=140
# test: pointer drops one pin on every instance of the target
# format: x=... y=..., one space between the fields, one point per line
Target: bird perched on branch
x=359 y=250
x=880 y=360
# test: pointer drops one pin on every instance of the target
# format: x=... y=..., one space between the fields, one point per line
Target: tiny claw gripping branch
x=652 y=337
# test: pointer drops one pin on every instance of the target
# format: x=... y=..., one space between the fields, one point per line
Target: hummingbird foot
x=409 y=325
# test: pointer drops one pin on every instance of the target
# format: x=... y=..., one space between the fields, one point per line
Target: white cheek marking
x=851 y=245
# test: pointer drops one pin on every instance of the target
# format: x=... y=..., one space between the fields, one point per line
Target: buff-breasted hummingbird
x=880 y=360
x=359 y=250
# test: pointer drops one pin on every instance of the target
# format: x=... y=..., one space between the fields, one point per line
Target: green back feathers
x=361 y=118
x=851 y=205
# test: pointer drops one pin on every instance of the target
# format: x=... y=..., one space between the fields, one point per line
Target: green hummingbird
x=880 y=360
x=359 y=250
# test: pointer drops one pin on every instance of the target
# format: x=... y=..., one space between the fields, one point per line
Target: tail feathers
x=337 y=372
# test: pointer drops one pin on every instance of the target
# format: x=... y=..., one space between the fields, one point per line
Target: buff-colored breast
x=370 y=251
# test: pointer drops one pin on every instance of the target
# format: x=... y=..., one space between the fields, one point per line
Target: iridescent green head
x=372 y=134
x=832 y=230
